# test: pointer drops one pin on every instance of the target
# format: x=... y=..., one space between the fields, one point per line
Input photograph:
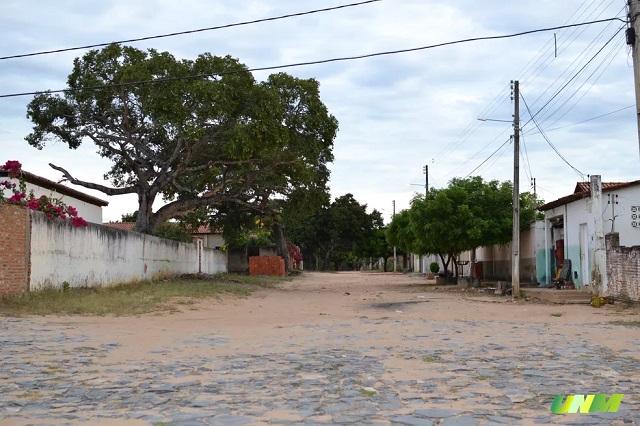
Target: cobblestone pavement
x=383 y=366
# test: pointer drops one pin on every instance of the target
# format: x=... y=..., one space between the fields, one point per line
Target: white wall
x=579 y=212
x=89 y=212
x=99 y=256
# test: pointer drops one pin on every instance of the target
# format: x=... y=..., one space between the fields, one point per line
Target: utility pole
x=632 y=40
x=426 y=180
x=395 y=261
x=515 y=250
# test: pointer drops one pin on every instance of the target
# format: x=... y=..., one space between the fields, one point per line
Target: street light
x=490 y=119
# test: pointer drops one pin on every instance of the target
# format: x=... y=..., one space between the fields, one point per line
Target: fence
x=36 y=253
x=623 y=269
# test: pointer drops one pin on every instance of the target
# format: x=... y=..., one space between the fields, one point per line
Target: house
x=89 y=208
x=575 y=228
x=209 y=239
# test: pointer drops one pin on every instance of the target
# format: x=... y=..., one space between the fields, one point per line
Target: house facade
x=89 y=207
x=575 y=227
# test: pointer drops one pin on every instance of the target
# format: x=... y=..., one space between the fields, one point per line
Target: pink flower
x=13 y=167
x=78 y=222
x=33 y=204
x=72 y=211
x=17 y=198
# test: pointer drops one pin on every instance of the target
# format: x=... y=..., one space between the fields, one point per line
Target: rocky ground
x=348 y=348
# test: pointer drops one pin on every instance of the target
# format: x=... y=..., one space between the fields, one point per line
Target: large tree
x=198 y=133
x=469 y=213
x=337 y=234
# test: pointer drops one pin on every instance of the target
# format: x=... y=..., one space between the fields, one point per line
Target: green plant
x=557 y=314
x=65 y=286
x=522 y=294
x=434 y=267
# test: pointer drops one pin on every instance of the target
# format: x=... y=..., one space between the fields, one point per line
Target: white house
x=575 y=227
x=89 y=208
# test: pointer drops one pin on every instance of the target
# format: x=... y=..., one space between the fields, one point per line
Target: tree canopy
x=338 y=234
x=199 y=133
x=469 y=213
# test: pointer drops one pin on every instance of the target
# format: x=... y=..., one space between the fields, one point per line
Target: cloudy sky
x=397 y=113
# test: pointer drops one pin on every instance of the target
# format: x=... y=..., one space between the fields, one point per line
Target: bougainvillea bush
x=294 y=252
x=53 y=208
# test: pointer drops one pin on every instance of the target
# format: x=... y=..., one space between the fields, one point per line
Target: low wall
x=267 y=265
x=623 y=269
x=98 y=255
x=14 y=249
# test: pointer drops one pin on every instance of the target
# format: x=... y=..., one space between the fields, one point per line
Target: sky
x=397 y=113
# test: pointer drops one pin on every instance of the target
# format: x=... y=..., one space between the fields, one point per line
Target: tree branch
x=89 y=185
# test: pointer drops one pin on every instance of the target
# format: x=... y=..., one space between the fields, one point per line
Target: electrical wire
x=584 y=121
x=526 y=156
x=549 y=141
x=523 y=73
x=237 y=24
x=610 y=57
x=489 y=157
x=533 y=116
x=317 y=62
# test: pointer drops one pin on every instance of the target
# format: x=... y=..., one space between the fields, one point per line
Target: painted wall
x=496 y=260
x=98 y=255
x=627 y=223
x=89 y=212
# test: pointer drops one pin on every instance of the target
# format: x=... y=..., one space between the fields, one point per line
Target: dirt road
x=347 y=348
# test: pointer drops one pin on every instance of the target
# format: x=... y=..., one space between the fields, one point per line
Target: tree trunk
x=281 y=244
x=145 y=206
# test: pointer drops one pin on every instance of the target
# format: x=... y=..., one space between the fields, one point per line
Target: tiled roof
x=583 y=190
x=130 y=226
x=59 y=188
x=586 y=186
x=127 y=226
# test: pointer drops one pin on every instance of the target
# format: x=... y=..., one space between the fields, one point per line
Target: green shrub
x=434 y=267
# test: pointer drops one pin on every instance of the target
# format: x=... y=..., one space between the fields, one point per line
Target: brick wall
x=267 y=265
x=623 y=269
x=14 y=249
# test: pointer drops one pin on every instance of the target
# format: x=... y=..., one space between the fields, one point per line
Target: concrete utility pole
x=395 y=258
x=426 y=180
x=632 y=40
x=515 y=250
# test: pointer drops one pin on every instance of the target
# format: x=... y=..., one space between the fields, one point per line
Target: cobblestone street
x=325 y=349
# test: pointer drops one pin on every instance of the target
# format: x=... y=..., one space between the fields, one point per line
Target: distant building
x=89 y=208
x=209 y=239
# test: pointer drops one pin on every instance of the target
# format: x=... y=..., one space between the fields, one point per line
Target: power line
x=585 y=121
x=533 y=116
x=610 y=57
x=489 y=157
x=524 y=72
x=549 y=141
x=237 y=24
x=323 y=61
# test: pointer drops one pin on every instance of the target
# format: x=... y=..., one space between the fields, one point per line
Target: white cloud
x=396 y=113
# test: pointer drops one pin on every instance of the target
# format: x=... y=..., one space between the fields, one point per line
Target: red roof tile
x=126 y=226
x=583 y=190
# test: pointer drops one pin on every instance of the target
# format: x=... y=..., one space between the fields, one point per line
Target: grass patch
x=626 y=323
x=481 y=377
x=557 y=314
x=133 y=299
x=429 y=359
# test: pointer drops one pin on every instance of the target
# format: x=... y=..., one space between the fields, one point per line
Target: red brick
x=14 y=250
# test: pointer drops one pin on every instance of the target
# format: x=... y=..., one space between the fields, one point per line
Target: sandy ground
x=389 y=316
x=331 y=297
